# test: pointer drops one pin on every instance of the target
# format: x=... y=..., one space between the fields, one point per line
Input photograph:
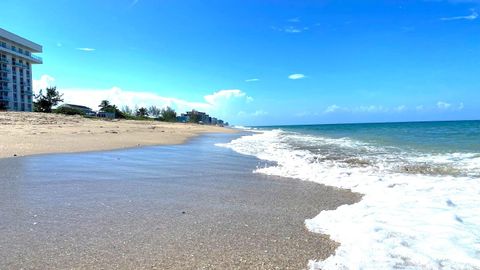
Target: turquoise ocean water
x=420 y=180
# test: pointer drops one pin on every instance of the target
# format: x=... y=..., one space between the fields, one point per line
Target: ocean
x=420 y=181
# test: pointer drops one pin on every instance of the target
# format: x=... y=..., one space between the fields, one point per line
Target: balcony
x=28 y=56
x=6 y=70
x=3 y=60
x=17 y=64
x=4 y=79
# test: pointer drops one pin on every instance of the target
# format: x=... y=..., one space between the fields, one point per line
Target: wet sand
x=192 y=206
x=23 y=133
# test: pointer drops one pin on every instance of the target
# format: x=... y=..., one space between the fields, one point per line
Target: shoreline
x=26 y=134
x=143 y=208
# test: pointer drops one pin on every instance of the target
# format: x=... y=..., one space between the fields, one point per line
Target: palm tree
x=104 y=104
x=142 y=112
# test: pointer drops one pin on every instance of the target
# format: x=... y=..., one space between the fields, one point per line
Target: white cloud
x=370 y=109
x=291 y=29
x=294 y=20
x=222 y=103
x=296 y=76
x=259 y=113
x=471 y=17
x=44 y=82
x=443 y=105
x=332 y=108
x=223 y=95
x=401 y=108
x=255 y=114
x=86 y=49
x=253 y=80
x=294 y=30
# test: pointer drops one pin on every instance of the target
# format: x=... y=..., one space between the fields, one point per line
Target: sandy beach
x=24 y=134
x=188 y=206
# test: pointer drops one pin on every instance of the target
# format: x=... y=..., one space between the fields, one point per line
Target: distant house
x=201 y=117
x=183 y=118
x=88 y=111
x=109 y=115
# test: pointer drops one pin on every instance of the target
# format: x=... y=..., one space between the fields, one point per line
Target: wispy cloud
x=255 y=113
x=296 y=76
x=443 y=105
x=440 y=106
x=400 y=108
x=291 y=29
x=471 y=17
x=332 y=108
x=86 y=49
x=253 y=80
x=294 y=20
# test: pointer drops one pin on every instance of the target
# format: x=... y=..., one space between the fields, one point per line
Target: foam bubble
x=406 y=220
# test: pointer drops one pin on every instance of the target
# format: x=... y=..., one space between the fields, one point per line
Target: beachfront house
x=86 y=110
x=108 y=115
x=201 y=117
x=183 y=118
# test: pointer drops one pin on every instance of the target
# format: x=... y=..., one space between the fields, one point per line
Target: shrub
x=68 y=111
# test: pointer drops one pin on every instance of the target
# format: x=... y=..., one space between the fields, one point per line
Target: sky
x=254 y=62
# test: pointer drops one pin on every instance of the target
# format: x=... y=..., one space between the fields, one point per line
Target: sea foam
x=414 y=213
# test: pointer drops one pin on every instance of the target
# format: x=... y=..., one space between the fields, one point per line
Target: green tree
x=168 y=114
x=142 y=112
x=44 y=103
x=154 y=111
x=195 y=117
x=104 y=105
x=127 y=111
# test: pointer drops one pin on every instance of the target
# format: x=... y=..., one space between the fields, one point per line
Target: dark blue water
x=441 y=137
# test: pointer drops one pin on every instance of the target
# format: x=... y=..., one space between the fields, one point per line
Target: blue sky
x=262 y=62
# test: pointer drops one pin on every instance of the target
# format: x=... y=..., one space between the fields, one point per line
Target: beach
x=188 y=206
x=24 y=133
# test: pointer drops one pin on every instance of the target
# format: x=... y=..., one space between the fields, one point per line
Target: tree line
x=44 y=102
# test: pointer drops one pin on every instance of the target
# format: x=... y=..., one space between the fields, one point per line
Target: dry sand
x=24 y=134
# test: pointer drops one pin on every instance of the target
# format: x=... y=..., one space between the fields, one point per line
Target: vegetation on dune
x=154 y=111
x=195 y=117
x=168 y=114
x=44 y=103
x=68 y=111
x=106 y=106
x=141 y=112
x=52 y=97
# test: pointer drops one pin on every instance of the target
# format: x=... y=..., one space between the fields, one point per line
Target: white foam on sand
x=408 y=219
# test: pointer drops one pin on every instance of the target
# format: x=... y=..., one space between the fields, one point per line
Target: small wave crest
x=419 y=210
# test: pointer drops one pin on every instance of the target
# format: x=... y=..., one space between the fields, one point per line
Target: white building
x=16 y=61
